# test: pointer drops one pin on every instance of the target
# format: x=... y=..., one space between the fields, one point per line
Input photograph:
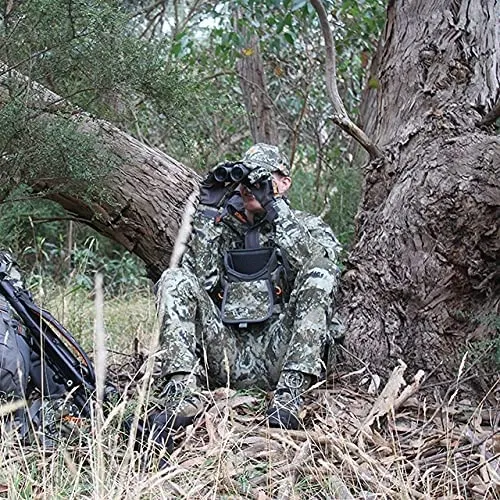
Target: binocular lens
x=221 y=174
x=239 y=172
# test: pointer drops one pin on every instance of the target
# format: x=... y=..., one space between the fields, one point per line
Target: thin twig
x=340 y=116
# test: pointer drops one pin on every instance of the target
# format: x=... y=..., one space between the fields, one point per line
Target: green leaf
x=289 y=38
x=176 y=48
x=373 y=83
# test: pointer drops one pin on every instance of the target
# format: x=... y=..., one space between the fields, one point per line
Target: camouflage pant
x=194 y=338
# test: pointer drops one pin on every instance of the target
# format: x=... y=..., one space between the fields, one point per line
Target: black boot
x=286 y=405
x=183 y=400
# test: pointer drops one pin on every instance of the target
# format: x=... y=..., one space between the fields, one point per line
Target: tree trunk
x=260 y=108
x=422 y=279
x=147 y=190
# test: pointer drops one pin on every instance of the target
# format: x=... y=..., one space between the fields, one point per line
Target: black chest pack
x=254 y=284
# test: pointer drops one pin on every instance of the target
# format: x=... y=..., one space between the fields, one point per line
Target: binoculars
x=231 y=172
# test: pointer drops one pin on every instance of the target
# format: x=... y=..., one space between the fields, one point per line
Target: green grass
x=127 y=319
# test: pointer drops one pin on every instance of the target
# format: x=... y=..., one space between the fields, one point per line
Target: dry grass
x=353 y=445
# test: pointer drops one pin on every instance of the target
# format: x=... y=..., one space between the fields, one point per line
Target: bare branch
x=340 y=116
x=192 y=12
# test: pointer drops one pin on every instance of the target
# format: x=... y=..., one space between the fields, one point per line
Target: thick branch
x=340 y=116
x=147 y=190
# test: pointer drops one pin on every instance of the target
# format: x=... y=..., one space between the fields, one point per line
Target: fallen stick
x=409 y=391
x=387 y=399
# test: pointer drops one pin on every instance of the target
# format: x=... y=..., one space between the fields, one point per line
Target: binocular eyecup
x=231 y=172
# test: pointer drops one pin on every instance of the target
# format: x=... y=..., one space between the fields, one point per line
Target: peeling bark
x=422 y=278
x=149 y=190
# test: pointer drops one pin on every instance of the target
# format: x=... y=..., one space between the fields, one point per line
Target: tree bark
x=149 y=190
x=422 y=278
x=259 y=106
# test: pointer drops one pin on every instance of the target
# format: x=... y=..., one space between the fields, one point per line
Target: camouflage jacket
x=299 y=235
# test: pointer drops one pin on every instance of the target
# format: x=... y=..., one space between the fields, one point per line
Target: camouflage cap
x=267 y=156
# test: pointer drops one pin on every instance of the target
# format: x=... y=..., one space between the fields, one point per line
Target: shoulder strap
x=252 y=238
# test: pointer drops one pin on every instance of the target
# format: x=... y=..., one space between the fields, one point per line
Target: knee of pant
x=320 y=273
x=174 y=279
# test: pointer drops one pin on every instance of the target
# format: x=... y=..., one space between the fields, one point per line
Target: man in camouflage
x=219 y=330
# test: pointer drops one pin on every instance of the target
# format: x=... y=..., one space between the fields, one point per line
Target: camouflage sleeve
x=202 y=253
x=302 y=241
x=323 y=236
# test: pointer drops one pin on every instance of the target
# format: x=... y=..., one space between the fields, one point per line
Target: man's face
x=281 y=185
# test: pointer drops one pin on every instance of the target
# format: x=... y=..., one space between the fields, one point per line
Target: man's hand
x=256 y=174
x=264 y=190
x=212 y=191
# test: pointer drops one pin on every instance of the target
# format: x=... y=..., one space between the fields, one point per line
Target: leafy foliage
x=51 y=247
x=87 y=51
x=19 y=227
x=123 y=271
x=52 y=152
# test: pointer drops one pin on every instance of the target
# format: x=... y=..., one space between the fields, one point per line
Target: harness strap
x=252 y=238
